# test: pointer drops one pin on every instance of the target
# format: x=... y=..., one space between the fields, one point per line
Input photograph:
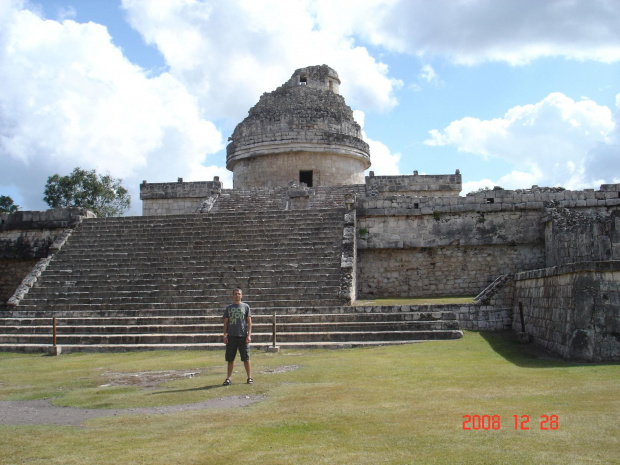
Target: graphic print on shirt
x=235 y=314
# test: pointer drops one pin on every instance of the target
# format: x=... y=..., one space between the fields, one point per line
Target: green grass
x=383 y=405
x=417 y=301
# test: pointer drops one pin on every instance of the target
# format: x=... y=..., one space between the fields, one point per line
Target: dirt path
x=42 y=412
x=38 y=412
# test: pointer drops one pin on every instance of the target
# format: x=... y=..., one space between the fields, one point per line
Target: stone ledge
x=602 y=266
x=57 y=218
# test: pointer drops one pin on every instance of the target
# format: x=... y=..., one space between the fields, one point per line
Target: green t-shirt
x=237 y=315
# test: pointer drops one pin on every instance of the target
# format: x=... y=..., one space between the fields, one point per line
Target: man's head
x=237 y=294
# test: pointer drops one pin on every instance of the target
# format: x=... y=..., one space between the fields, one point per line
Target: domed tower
x=303 y=131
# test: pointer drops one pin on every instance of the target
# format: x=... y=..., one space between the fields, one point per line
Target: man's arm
x=225 y=330
x=248 y=339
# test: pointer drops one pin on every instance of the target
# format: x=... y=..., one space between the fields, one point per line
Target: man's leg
x=244 y=352
x=231 y=352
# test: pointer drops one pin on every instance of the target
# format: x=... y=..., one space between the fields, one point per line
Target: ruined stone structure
x=303 y=131
x=27 y=240
x=315 y=235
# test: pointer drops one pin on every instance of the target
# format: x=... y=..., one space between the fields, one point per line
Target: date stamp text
x=519 y=422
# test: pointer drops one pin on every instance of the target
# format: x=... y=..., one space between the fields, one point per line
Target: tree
x=102 y=194
x=7 y=205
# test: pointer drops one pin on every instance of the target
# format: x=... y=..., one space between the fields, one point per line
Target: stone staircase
x=131 y=330
x=143 y=283
x=285 y=198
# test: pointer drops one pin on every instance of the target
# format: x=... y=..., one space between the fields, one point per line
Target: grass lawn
x=384 y=405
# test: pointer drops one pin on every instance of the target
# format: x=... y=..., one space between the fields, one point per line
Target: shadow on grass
x=505 y=343
x=176 y=391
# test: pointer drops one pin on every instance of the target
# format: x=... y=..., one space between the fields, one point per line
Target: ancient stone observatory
x=303 y=132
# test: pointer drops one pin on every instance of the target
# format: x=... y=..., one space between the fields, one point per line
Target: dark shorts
x=234 y=344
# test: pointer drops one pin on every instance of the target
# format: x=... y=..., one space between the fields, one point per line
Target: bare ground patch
x=146 y=379
x=39 y=412
x=279 y=369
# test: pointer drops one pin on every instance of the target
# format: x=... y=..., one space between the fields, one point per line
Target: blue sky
x=512 y=93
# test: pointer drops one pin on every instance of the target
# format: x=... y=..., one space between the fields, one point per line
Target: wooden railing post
x=273 y=347
x=55 y=349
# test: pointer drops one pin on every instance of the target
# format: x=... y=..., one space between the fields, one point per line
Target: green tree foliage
x=7 y=205
x=101 y=194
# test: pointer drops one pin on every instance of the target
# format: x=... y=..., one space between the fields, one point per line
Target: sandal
x=250 y=381
x=227 y=382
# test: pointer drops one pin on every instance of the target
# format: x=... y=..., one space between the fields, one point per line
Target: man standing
x=237 y=335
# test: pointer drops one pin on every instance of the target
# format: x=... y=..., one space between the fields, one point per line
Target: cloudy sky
x=511 y=92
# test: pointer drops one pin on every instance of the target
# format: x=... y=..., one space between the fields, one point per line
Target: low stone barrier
x=572 y=310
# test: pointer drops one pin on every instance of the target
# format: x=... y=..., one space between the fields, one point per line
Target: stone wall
x=12 y=272
x=572 y=310
x=306 y=121
x=493 y=200
x=398 y=228
x=348 y=260
x=484 y=317
x=327 y=170
x=320 y=77
x=440 y=271
x=178 y=198
x=28 y=236
x=417 y=185
x=582 y=236
x=430 y=246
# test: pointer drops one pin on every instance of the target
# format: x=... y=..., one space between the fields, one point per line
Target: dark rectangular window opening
x=491 y=200
x=306 y=178
x=416 y=205
x=303 y=80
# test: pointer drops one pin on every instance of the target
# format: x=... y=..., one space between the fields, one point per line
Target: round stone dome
x=303 y=131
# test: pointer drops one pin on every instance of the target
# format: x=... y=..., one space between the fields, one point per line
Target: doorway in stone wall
x=305 y=177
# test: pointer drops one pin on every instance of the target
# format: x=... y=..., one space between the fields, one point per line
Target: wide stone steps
x=290 y=250
x=214 y=329
x=207 y=289
x=194 y=263
x=84 y=294
x=149 y=283
x=73 y=303
x=278 y=198
x=63 y=281
x=128 y=318
x=170 y=329
x=121 y=304
x=278 y=258
x=208 y=338
x=197 y=271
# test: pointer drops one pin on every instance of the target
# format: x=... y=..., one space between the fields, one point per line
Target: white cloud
x=472 y=186
x=70 y=98
x=229 y=53
x=602 y=163
x=548 y=142
x=383 y=161
x=428 y=75
x=475 y=31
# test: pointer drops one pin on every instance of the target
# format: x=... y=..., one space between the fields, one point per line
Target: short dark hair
x=237 y=289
